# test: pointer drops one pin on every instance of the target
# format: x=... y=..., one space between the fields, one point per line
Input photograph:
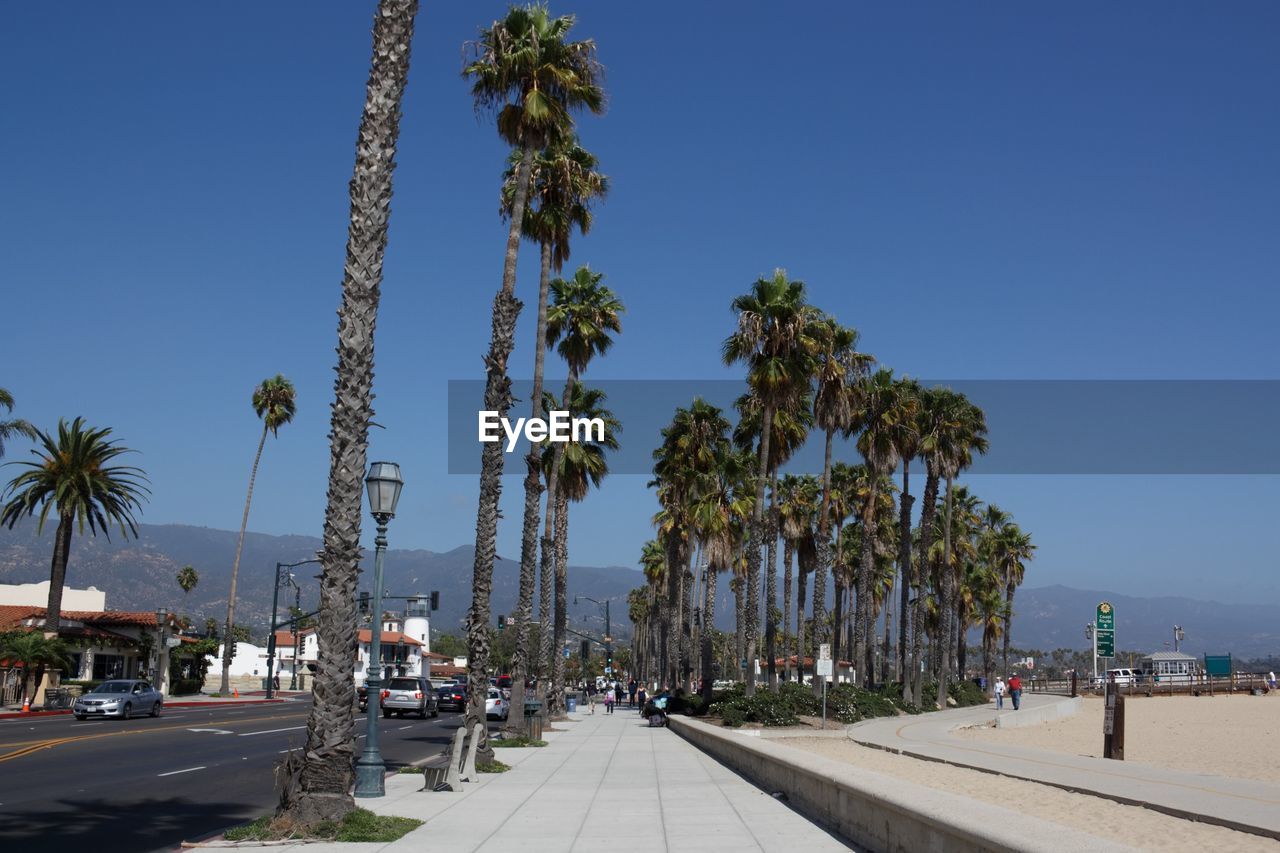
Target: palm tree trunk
x=686 y=624
x=824 y=559
x=928 y=510
x=228 y=646
x=58 y=576
x=837 y=611
x=532 y=501
x=755 y=552
x=1008 y=622
x=771 y=583
x=671 y=628
x=546 y=586
x=708 y=610
x=739 y=643
x=801 y=648
x=555 y=699
x=862 y=626
x=326 y=774
x=946 y=607
x=905 y=658
x=788 y=553
x=553 y=498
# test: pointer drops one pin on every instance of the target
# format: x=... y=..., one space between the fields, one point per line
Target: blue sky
x=987 y=191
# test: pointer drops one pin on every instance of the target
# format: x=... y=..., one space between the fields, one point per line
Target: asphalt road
x=149 y=784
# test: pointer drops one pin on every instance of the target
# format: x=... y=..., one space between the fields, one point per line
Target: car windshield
x=403 y=684
x=113 y=687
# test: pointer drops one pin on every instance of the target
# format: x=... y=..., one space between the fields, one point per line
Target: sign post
x=1113 y=722
x=1104 y=634
x=823 y=670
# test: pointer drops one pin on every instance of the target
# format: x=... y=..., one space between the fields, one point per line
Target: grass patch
x=410 y=769
x=492 y=767
x=518 y=741
x=359 y=825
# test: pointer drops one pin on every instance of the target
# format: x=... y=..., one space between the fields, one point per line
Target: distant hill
x=139 y=575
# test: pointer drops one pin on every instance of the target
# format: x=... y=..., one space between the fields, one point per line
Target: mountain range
x=139 y=574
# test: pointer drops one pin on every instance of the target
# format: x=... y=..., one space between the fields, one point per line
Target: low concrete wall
x=1035 y=716
x=880 y=812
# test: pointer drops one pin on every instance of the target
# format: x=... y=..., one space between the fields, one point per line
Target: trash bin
x=572 y=702
x=533 y=719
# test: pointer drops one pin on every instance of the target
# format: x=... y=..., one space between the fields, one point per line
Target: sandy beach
x=1221 y=735
x=1131 y=825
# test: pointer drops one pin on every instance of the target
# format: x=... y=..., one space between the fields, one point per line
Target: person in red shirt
x=1015 y=691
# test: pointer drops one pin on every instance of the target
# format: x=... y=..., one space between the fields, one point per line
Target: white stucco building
x=37 y=595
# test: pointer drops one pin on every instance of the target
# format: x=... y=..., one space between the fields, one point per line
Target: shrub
x=186 y=687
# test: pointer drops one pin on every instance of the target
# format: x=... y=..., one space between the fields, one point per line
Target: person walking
x=1015 y=691
x=631 y=693
x=591 y=695
x=999 y=693
x=641 y=698
x=608 y=701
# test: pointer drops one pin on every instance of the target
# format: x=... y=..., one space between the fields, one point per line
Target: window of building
x=108 y=666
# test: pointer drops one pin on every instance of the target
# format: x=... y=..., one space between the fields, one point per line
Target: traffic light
x=364 y=604
x=586 y=650
x=502 y=621
x=435 y=599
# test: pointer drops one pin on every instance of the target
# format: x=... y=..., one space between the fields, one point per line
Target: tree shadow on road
x=111 y=827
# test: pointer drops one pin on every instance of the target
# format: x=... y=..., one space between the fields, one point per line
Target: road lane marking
x=272 y=731
x=215 y=731
x=176 y=772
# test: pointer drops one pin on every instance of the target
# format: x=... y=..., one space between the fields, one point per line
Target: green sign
x=1105 y=629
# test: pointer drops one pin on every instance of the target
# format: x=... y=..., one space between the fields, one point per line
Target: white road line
x=273 y=731
x=402 y=728
x=175 y=772
x=215 y=731
x=290 y=749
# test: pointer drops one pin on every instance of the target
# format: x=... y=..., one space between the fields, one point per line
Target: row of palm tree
x=804 y=371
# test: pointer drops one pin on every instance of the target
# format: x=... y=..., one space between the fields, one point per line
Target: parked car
x=504 y=682
x=496 y=707
x=1121 y=676
x=121 y=698
x=410 y=695
x=453 y=698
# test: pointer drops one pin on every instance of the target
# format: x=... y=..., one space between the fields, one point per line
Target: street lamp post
x=162 y=622
x=297 y=614
x=384 y=485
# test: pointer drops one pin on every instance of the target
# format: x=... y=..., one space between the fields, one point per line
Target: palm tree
x=838 y=365
x=967 y=434
x=653 y=561
x=775 y=339
x=187 y=579
x=572 y=469
x=1010 y=550
x=74 y=477
x=525 y=71
x=797 y=508
x=907 y=439
x=321 y=788
x=274 y=402
x=563 y=184
x=34 y=650
x=582 y=314
x=15 y=426
x=931 y=427
x=879 y=418
x=842 y=498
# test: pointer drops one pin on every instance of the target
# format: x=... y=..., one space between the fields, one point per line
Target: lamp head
x=384 y=484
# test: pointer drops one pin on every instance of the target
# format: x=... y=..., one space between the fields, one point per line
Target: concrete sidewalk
x=1243 y=804
x=606 y=782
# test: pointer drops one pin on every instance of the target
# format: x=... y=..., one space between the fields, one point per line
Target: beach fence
x=1190 y=684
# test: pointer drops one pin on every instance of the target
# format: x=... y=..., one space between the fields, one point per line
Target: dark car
x=452 y=698
x=408 y=694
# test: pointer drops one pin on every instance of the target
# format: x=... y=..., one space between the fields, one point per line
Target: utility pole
x=1092 y=635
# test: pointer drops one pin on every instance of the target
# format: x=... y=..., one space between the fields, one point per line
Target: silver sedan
x=121 y=698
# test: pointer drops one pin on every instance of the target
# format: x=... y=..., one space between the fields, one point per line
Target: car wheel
x=81 y=717
x=156 y=708
x=386 y=714
x=127 y=712
x=435 y=712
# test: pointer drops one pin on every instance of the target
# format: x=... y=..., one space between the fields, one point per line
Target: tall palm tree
x=274 y=402
x=907 y=439
x=581 y=319
x=573 y=468
x=187 y=579
x=1010 y=551
x=323 y=783
x=838 y=365
x=653 y=562
x=879 y=418
x=14 y=426
x=776 y=340
x=76 y=478
x=841 y=500
x=524 y=69
x=962 y=432
x=564 y=182
x=797 y=509
x=931 y=426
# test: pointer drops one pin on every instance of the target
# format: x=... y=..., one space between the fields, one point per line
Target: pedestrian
x=591 y=696
x=641 y=698
x=999 y=693
x=1015 y=691
x=608 y=701
x=1271 y=680
x=631 y=693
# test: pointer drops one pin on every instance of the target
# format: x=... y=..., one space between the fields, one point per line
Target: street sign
x=172 y=642
x=824 y=651
x=1105 y=622
x=824 y=666
x=1109 y=721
